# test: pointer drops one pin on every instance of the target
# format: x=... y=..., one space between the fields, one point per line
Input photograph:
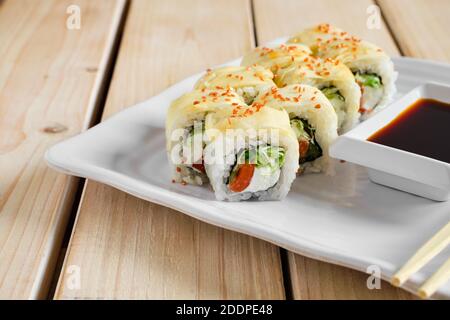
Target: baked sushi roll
x=276 y=57
x=247 y=81
x=252 y=154
x=372 y=67
x=335 y=81
x=312 y=119
x=185 y=127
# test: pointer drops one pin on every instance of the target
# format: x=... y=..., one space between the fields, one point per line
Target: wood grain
x=50 y=80
x=420 y=26
x=128 y=248
x=275 y=19
x=311 y=279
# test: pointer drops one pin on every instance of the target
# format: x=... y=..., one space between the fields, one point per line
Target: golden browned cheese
x=277 y=57
x=323 y=73
x=194 y=105
x=327 y=41
x=253 y=117
x=236 y=77
x=308 y=103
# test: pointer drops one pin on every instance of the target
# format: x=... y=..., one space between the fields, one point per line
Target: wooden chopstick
x=427 y=252
x=435 y=281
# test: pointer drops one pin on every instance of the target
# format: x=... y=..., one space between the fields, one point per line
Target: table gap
x=95 y=119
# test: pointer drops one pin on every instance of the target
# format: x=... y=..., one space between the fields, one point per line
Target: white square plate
x=344 y=219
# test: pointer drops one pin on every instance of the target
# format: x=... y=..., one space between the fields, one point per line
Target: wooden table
x=57 y=81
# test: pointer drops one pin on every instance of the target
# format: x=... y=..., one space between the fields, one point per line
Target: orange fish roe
x=325 y=28
x=258 y=106
x=178 y=169
x=196 y=102
x=317 y=106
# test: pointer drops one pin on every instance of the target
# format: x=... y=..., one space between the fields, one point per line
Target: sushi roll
x=277 y=57
x=335 y=81
x=372 y=67
x=252 y=154
x=312 y=119
x=247 y=81
x=185 y=131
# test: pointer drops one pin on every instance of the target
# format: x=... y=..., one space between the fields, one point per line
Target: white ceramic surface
x=344 y=219
x=392 y=167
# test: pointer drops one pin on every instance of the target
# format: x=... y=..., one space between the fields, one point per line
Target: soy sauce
x=423 y=128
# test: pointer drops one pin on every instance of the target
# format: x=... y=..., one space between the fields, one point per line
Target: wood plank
x=50 y=81
x=311 y=279
x=275 y=19
x=128 y=248
x=420 y=27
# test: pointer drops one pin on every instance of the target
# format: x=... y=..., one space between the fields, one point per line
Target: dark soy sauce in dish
x=423 y=128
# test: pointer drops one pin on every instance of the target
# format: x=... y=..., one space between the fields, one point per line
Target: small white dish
x=402 y=170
